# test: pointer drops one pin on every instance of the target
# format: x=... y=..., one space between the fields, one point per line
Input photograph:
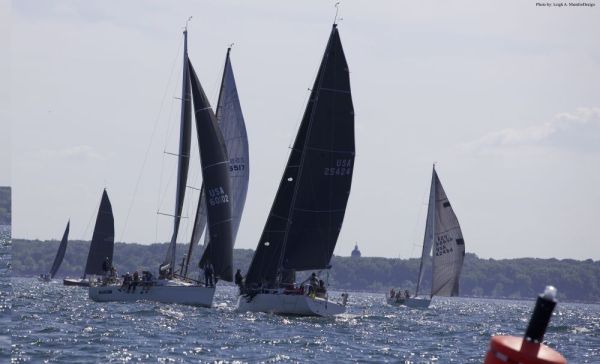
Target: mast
x=183 y=157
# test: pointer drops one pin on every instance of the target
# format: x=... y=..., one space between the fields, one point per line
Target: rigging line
x=148 y=148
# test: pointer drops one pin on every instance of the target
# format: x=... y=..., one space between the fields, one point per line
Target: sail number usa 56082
x=217 y=196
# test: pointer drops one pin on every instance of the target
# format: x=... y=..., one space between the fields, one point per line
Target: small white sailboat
x=60 y=254
x=101 y=247
x=308 y=211
x=444 y=236
x=214 y=208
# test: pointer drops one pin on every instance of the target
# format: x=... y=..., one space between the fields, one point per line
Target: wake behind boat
x=444 y=236
x=307 y=214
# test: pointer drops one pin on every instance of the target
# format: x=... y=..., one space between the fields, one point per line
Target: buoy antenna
x=337 y=8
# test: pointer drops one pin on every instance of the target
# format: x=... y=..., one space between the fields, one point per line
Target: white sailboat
x=214 y=207
x=308 y=211
x=444 y=236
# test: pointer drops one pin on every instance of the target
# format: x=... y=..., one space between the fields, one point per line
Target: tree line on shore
x=5 y=210
x=521 y=278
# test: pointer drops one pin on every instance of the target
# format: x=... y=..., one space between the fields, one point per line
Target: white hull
x=412 y=302
x=165 y=292
x=289 y=304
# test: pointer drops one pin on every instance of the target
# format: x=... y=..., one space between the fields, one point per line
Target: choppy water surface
x=62 y=325
x=5 y=292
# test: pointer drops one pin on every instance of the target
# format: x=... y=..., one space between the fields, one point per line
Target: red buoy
x=528 y=349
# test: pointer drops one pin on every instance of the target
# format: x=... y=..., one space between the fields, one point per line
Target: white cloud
x=79 y=152
x=578 y=131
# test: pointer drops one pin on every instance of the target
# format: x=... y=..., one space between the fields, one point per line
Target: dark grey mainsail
x=307 y=214
x=217 y=185
x=231 y=122
x=185 y=139
x=103 y=239
x=60 y=254
x=448 y=247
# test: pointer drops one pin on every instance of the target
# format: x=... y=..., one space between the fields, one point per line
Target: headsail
x=306 y=217
x=429 y=234
x=185 y=140
x=60 y=254
x=231 y=122
x=103 y=239
x=217 y=184
x=449 y=246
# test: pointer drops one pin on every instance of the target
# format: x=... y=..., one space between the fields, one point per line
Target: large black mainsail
x=307 y=214
x=103 y=239
x=231 y=123
x=185 y=139
x=60 y=254
x=216 y=183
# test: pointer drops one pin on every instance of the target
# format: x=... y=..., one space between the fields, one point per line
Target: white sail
x=231 y=123
x=448 y=247
x=428 y=238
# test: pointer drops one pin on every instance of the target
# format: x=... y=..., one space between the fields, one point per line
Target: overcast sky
x=503 y=95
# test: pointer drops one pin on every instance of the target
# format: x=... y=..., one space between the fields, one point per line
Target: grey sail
x=231 y=122
x=217 y=184
x=185 y=139
x=429 y=235
x=103 y=239
x=307 y=214
x=60 y=254
x=449 y=246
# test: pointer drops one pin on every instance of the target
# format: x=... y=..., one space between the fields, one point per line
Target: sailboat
x=308 y=211
x=101 y=247
x=60 y=254
x=444 y=236
x=173 y=286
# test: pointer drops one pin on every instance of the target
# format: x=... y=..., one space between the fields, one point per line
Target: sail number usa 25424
x=343 y=167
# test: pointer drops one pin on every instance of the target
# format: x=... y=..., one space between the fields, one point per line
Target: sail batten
x=317 y=178
x=103 y=239
x=60 y=254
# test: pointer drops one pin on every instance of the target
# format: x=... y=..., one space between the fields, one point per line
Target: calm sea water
x=61 y=324
x=5 y=293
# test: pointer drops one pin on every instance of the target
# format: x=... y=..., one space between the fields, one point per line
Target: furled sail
x=306 y=217
x=231 y=122
x=217 y=184
x=103 y=239
x=185 y=140
x=448 y=247
x=60 y=254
